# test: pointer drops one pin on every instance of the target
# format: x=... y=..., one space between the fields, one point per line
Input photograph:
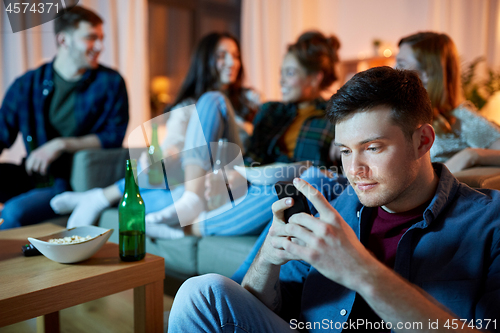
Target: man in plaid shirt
x=70 y=104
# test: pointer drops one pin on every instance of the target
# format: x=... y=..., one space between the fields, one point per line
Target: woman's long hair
x=437 y=56
x=203 y=76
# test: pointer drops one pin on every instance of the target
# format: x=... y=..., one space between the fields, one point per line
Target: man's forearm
x=397 y=301
x=262 y=280
x=74 y=144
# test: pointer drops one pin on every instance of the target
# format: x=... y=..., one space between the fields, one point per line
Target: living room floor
x=111 y=314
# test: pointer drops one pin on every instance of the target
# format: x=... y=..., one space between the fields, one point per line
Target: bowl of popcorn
x=72 y=245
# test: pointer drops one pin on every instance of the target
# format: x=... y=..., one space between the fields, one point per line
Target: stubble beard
x=388 y=191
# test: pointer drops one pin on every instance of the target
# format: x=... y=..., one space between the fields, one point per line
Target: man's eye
x=345 y=152
x=373 y=148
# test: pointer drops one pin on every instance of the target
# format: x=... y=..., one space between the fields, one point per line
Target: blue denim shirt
x=453 y=254
x=101 y=107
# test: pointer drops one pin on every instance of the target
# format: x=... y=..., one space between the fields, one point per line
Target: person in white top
x=463 y=137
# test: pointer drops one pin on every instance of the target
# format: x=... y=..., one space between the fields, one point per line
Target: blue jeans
x=214 y=303
x=32 y=206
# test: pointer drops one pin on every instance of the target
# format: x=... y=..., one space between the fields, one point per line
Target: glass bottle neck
x=154 y=136
x=131 y=188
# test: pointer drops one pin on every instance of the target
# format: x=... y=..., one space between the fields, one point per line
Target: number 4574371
x=39 y=8
x=478 y=323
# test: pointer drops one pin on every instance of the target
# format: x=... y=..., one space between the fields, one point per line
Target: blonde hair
x=437 y=56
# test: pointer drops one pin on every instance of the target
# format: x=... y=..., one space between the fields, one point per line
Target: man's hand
x=273 y=249
x=40 y=158
x=328 y=243
x=262 y=278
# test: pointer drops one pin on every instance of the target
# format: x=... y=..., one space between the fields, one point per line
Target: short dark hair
x=72 y=16
x=400 y=90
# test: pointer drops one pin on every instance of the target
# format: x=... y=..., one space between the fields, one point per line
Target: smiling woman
x=228 y=61
x=463 y=137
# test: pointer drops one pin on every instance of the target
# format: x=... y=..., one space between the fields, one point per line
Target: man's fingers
x=281 y=243
x=29 y=165
x=315 y=225
x=280 y=206
x=296 y=250
x=314 y=196
x=295 y=230
x=42 y=169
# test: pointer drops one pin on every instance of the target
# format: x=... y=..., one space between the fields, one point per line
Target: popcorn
x=70 y=240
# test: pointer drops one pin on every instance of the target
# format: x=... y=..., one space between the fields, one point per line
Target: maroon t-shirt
x=386 y=231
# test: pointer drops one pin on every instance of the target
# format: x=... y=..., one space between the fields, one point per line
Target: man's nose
x=357 y=166
x=98 y=45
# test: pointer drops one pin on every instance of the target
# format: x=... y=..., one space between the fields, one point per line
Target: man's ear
x=424 y=138
x=62 y=39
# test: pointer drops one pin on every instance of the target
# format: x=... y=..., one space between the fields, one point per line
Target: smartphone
x=288 y=190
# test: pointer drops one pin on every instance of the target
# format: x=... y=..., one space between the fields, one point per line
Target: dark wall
x=175 y=26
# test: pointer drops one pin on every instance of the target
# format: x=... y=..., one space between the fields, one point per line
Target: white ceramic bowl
x=71 y=253
x=272 y=173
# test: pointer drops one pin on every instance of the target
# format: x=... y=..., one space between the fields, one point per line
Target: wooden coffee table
x=36 y=286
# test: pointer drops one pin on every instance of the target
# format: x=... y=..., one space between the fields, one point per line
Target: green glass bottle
x=155 y=173
x=132 y=215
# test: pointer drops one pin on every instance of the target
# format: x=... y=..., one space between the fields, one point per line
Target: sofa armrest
x=480 y=177
x=97 y=168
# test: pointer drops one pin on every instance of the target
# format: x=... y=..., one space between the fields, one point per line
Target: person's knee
x=211 y=96
x=205 y=285
x=212 y=100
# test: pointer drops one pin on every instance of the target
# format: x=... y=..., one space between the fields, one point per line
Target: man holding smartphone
x=410 y=249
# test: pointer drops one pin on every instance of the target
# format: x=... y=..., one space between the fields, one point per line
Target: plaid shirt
x=271 y=122
x=101 y=107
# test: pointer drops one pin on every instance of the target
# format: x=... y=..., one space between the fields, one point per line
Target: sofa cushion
x=180 y=255
x=222 y=254
x=97 y=168
x=480 y=177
